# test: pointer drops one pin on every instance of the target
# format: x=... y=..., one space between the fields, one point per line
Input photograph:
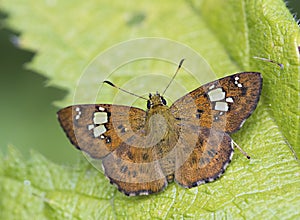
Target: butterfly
x=188 y=142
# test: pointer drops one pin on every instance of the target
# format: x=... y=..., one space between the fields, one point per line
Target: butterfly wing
x=135 y=171
x=100 y=129
x=206 y=116
x=205 y=160
x=115 y=134
x=224 y=104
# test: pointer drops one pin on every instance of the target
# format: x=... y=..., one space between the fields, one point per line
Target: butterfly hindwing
x=100 y=129
x=114 y=134
x=135 y=171
x=206 y=160
x=223 y=104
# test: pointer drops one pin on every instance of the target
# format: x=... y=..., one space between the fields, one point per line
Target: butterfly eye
x=148 y=104
x=163 y=100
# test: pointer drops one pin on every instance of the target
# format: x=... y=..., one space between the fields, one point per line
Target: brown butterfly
x=188 y=142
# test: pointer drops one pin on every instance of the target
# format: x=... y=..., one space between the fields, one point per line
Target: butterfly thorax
x=159 y=120
x=161 y=132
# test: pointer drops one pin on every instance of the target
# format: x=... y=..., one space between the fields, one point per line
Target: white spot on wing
x=200 y=182
x=221 y=106
x=132 y=194
x=77 y=116
x=101 y=109
x=229 y=99
x=216 y=95
x=90 y=127
x=211 y=87
x=99 y=130
x=100 y=118
x=236 y=82
x=231 y=145
x=144 y=193
x=242 y=123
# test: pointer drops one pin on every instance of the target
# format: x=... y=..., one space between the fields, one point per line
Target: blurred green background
x=27 y=115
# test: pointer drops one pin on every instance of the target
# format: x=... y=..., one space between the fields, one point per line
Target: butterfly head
x=155 y=100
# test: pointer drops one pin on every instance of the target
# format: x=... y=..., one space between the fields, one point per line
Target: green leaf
x=67 y=35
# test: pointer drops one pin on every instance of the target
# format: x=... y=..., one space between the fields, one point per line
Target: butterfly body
x=188 y=142
x=162 y=122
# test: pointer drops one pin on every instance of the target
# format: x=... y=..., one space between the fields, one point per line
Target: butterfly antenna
x=178 y=68
x=113 y=85
x=240 y=149
x=271 y=61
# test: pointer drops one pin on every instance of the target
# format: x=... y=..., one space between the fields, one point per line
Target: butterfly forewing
x=223 y=104
x=100 y=129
